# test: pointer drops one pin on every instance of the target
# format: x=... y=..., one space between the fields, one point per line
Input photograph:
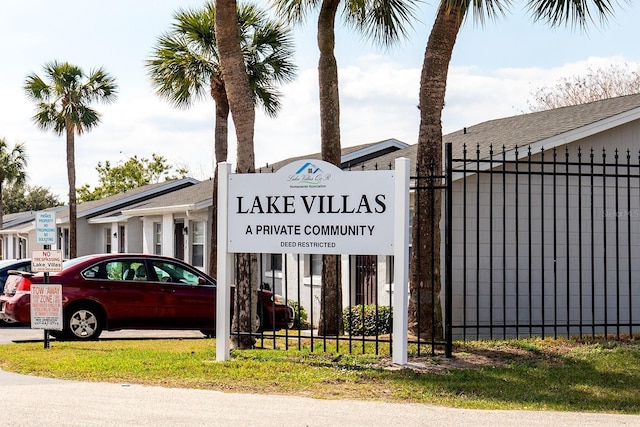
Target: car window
x=131 y=270
x=173 y=273
x=92 y=272
x=117 y=270
x=26 y=268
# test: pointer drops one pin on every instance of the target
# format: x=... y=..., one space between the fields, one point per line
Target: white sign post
x=312 y=207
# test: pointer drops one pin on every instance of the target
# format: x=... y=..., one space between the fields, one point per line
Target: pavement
x=31 y=401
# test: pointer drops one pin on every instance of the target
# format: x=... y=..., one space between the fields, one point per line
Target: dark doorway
x=366 y=279
x=178 y=238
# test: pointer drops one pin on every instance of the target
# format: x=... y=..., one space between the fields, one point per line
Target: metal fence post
x=448 y=208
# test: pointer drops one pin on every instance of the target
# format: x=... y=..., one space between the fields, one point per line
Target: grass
x=531 y=374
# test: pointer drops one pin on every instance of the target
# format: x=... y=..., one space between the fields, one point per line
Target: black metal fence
x=534 y=243
x=545 y=243
x=366 y=306
x=367 y=298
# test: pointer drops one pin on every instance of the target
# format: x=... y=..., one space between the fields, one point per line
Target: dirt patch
x=475 y=358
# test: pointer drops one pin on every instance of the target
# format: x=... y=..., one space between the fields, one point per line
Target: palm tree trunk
x=330 y=322
x=71 y=174
x=243 y=112
x=328 y=84
x=425 y=318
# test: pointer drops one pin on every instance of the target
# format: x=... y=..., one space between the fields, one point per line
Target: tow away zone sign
x=46 y=307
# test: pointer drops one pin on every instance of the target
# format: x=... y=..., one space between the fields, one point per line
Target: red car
x=133 y=291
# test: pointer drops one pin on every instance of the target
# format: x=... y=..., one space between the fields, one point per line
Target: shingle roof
x=527 y=129
x=117 y=201
x=348 y=152
x=199 y=195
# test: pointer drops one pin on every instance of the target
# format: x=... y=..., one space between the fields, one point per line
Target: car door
x=187 y=298
x=129 y=300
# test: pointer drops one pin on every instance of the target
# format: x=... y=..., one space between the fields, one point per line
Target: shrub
x=368 y=320
x=301 y=319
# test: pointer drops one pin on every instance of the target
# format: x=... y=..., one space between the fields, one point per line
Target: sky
x=495 y=69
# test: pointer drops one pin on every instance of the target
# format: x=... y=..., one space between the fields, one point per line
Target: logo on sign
x=309 y=174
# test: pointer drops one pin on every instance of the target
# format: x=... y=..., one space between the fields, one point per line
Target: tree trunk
x=221 y=148
x=330 y=322
x=425 y=319
x=242 y=109
x=71 y=174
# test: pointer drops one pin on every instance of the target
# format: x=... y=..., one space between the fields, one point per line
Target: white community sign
x=313 y=207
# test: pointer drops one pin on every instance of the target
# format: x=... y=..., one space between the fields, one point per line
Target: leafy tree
x=185 y=67
x=131 y=174
x=13 y=163
x=425 y=257
x=384 y=22
x=601 y=83
x=63 y=105
x=23 y=197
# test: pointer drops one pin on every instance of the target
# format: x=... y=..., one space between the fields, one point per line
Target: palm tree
x=63 y=105
x=13 y=163
x=383 y=21
x=185 y=65
x=425 y=257
x=240 y=89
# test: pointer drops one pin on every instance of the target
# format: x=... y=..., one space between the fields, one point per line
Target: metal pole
x=46 y=281
x=448 y=283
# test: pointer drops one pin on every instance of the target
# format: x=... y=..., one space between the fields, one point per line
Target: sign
x=46 y=307
x=313 y=207
x=45 y=228
x=47 y=261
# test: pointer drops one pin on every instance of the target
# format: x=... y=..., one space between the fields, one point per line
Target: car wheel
x=83 y=323
x=259 y=326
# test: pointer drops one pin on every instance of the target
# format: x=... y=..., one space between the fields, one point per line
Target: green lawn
x=530 y=374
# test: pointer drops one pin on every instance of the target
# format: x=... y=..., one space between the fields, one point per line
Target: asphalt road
x=30 y=401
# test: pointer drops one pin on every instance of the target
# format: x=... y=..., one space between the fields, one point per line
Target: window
x=107 y=240
x=313 y=265
x=390 y=269
x=197 y=244
x=63 y=241
x=121 y=241
x=276 y=262
x=157 y=238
